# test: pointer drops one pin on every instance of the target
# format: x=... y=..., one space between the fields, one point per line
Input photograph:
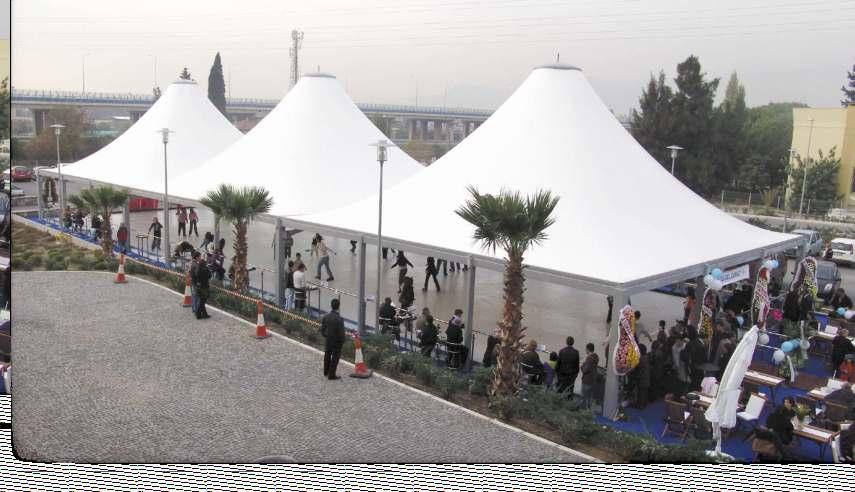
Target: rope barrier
x=231 y=293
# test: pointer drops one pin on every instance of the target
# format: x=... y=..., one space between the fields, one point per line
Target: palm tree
x=513 y=223
x=239 y=206
x=103 y=199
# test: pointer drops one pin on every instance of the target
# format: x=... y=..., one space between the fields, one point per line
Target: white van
x=842 y=250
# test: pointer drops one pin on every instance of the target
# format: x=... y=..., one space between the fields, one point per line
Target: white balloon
x=804 y=344
x=763 y=339
x=708 y=279
x=778 y=356
x=717 y=285
x=769 y=265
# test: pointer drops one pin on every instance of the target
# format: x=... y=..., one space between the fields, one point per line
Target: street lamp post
x=382 y=146
x=83 y=69
x=674 y=150
x=155 y=69
x=57 y=129
x=165 y=133
x=804 y=168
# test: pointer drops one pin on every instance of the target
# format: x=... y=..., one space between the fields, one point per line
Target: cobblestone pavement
x=122 y=373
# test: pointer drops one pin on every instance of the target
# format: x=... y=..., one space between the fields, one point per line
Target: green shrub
x=312 y=336
x=274 y=317
x=425 y=372
x=579 y=428
x=55 y=263
x=448 y=384
x=37 y=260
x=19 y=263
x=348 y=350
x=481 y=379
x=392 y=365
x=293 y=327
x=505 y=408
x=409 y=361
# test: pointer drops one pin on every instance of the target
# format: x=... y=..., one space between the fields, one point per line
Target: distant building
x=831 y=127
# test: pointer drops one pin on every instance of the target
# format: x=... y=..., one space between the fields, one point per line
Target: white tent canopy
x=312 y=152
x=622 y=221
x=135 y=159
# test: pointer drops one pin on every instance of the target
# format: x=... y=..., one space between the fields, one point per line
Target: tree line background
x=730 y=146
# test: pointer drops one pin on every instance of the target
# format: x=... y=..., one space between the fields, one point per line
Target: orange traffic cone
x=188 y=296
x=260 y=328
x=120 y=275
x=360 y=370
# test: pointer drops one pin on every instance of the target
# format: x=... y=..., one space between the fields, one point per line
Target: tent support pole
x=361 y=286
x=279 y=253
x=695 y=315
x=40 y=184
x=468 y=339
x=611 y=398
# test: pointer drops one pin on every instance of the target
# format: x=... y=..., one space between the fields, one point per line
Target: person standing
x=289 y=286
x=428 y=336
x=324 y=254
x=203 y=276
x=640 y=329
x=431 y=271
x=122 y=237
x=194 y=221
x=387 y=316
x=298 y=260
x=589 y=374
x=195 y=263
x=641 y=377
x=156 y=227
x=332 y=329
x=181 y=213
x=96 y=227
x=66 y=216
x=207 y=244
x=289 y=243
x=567 y=368
x=401 y=262
x=300 y=286
x=454 y=339
x=408 y=296
x=353 y=246
x=441 y=262
x=531 y=364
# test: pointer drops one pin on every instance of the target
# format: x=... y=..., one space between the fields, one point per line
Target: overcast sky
x=452 y=52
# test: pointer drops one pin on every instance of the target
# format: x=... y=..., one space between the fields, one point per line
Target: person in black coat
x=201 y=284
x=454 y=339
x=430 y=271
x=387 y=315
x=840 y=346
x=641 y=377
x=428 y=336
x=780 y=420
x=408 y=296
x=401 y=262
x=332 y=329
x=567 y=367
x=697 y=356
x=531 y=364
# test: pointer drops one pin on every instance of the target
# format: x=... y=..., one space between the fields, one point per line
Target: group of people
x=562 y=369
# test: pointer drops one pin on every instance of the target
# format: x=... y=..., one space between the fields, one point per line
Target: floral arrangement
x=802 y=411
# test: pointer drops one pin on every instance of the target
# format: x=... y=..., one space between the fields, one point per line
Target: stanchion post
x=361 y=285
x=281 y=263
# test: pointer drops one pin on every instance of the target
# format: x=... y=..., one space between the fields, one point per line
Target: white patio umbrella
x=722 y=411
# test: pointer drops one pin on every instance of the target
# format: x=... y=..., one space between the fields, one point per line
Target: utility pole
x=296 y=44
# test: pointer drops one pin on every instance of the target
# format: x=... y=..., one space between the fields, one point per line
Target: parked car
x=815 y=243
x=21 y=173
x=842 y=250
x=13 y=190
x=827 y=278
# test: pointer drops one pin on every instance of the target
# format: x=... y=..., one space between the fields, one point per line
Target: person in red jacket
x=122 y=238
x=846 y=371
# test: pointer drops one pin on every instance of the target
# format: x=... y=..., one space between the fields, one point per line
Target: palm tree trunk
x=507 y=372
x=240 y=247
x=106 y=239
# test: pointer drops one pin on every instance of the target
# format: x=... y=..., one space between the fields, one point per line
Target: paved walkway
x=107 y=373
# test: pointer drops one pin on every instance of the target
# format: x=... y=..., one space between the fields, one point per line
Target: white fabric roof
x=135 y=159
x=621 y=217
x=312 y=152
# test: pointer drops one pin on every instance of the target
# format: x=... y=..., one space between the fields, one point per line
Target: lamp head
x=674 y=150
x=165 y=132
x=382 y=146
x=57 y=129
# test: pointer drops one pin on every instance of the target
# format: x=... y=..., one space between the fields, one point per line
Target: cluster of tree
x=849 y=92
x=728 y=146
x=819 y=184
x=5 y=108
x=74 y=143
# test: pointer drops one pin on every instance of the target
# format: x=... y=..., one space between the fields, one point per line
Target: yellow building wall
x=5 y=66
x=831 y=127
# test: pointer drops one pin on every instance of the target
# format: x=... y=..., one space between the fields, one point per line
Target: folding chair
x=677 y=419
x=835 y=414
x=752 y=409
x=701 y=427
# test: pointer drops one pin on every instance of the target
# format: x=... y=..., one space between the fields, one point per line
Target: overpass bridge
x=401 y=123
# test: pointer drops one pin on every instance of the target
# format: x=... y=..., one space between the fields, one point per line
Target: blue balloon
x=787 y=347
x=841 y=311
x=716 y=273
x=740 y=320
x=775 y=264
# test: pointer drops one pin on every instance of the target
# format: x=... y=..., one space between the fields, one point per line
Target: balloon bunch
x=713 y=279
